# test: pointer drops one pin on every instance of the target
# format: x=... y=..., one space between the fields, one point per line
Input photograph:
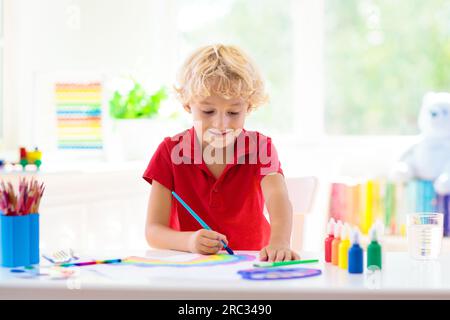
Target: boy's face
x=218 y=121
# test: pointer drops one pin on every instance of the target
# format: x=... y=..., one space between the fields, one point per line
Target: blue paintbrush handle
x=196 y=217
x=203 y=223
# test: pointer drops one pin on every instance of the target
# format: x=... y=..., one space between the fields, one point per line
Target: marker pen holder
x=19 y=240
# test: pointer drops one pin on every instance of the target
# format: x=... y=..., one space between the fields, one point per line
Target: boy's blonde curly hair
x=223 y=70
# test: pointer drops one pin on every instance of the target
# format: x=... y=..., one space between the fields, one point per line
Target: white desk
x=401 y=278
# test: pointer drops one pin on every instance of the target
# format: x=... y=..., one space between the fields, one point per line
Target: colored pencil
x=282 y=263
x=25 y=202
x=196 y=217
x=89 y=263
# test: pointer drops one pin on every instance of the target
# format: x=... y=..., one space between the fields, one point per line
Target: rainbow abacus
x=79 y=115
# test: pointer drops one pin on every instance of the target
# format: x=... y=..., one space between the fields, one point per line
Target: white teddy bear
x=429 y=159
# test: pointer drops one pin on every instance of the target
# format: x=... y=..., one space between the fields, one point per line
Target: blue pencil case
x=19 y=240
x=34 y=238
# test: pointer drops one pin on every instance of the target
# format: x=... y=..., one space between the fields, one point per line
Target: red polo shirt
x=233 y=204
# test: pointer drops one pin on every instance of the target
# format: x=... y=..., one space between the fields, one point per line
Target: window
x=341 y=67
x=381 y=57
x=263 y=29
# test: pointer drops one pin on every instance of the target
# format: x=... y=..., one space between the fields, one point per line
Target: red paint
x=328 y=242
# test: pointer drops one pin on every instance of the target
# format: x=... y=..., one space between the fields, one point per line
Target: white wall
x=50 y=38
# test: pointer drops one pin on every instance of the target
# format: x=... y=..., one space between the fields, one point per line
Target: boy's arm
x=157 y=230
x=160 y=235
x=280 y=214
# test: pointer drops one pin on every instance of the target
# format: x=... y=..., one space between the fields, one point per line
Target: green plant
x=136 y=104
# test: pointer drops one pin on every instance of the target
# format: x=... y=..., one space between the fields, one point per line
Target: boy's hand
x=206 y=242
x=273 y=253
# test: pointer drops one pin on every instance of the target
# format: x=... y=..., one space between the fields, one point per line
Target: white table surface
x=400 y=278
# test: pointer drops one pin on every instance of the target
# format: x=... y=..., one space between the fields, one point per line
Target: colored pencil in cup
x=25 y=201
x=196 y=217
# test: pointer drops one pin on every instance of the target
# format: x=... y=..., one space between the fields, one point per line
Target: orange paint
x=335 y=243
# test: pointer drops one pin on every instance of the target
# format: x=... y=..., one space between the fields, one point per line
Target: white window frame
x=308 y=24
x=309 y=98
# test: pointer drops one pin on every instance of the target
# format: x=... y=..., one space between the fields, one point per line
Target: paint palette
x=278 y=273
x=196 y=261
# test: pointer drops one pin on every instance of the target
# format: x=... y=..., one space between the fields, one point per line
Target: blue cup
x=15 y=240
x=34 y=238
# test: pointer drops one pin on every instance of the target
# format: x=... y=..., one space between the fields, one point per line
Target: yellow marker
x=344 y=246
x=335 y=243
x=368 y=207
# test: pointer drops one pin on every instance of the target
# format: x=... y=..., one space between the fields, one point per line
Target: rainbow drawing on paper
x=197 y=261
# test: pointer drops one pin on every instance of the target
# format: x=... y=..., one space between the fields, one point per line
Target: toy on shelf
x=427 y=163
x=429 y=159
x=30 y=157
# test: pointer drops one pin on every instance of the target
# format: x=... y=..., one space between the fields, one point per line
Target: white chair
x=302 y=193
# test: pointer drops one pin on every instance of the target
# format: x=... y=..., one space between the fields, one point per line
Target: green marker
x=282 y=263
